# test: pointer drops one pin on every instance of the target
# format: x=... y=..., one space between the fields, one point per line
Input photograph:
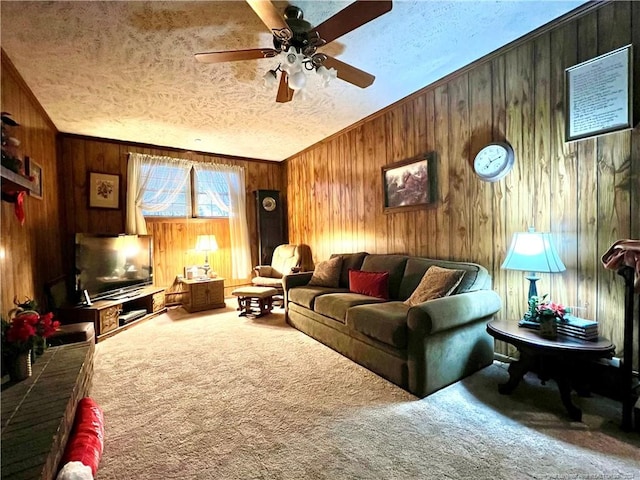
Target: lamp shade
x=206 y=243
x=533 y=252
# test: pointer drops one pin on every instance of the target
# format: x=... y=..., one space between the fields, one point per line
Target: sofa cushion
x=267 y=282
x=373 y=284
x=394 y=264
x=476 y=277
x=327 y=273
x=335 y=305
x=385 y=322
x=305 y=296
x=437 y=282
x=350 y=261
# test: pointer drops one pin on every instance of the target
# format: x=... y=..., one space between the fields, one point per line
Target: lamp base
x=533 y=290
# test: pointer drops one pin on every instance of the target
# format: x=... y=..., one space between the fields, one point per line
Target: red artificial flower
x=47 y=325
x=21 y=329
x=26 y=326
x=553 y=309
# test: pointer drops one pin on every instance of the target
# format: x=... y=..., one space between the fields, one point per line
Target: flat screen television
x=112 y=266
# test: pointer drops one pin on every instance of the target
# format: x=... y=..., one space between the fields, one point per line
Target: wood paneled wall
x=30 y=253
x=586 y=193
x=174 y=239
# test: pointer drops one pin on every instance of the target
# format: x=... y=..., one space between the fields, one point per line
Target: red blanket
x=87 y=437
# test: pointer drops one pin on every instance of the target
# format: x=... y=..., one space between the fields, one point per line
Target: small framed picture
x=194 y=272
x=104 y=190
x=34 y=172
x=409 y=184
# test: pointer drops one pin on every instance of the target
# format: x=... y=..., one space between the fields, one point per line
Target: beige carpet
x=215 y=396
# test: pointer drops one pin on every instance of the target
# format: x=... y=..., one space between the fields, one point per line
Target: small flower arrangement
x=540 y=308
x=26 y=329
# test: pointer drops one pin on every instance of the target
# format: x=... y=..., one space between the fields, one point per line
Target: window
x=162 y=178
x=208 y=205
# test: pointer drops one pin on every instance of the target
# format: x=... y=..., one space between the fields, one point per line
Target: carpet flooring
x=217 y=396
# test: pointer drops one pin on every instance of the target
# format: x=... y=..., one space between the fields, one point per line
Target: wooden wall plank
x=370 y=178
x=441 y=123
x=461 y=209
x=428 y=245
x=398 y=149
x=378 y=161
x=563 y=169
x=587 y=286
x=357 y=183
x=521 y=187
x=479 y=192
x=420 y=146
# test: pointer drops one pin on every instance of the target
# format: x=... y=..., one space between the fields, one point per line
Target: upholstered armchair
x=286 y=259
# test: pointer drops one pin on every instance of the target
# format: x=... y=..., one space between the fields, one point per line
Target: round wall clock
x=269 y=204
x=494 y=161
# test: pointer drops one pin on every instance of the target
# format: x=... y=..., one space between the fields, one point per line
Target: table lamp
x=206 y=243
x=533 y=252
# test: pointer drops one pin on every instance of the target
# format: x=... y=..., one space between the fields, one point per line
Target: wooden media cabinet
x=113 y=315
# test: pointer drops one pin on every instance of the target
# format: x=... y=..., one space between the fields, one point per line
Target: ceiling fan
x=295 y=43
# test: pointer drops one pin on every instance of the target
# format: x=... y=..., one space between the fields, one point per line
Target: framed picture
x=34 y=170
x=104 y=190
x=409 y=184
x=194 y=272
x=599 y=96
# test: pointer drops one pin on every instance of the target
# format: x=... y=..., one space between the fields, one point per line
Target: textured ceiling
x=126 y=71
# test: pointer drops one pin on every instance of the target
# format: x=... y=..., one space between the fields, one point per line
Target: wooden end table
x=204 y=294
x=562 y=359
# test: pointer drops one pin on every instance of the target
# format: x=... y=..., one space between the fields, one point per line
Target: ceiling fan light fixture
x=298 y=80
x=270 y=79
x=291 y=61
x=326 y=74
x=295 y=44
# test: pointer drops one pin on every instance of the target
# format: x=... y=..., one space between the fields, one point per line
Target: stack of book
x=572 y=327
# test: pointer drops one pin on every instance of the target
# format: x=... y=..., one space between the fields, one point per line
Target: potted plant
x=547 y=314
x=21 y=335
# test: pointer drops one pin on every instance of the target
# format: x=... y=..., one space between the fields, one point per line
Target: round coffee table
x=563 y=359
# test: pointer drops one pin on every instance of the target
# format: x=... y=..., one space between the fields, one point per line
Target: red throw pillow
x=374 y=284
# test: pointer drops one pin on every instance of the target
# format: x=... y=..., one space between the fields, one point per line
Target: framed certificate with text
x=598 y=95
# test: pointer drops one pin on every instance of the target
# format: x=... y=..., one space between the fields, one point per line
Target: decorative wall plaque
x=599 y=95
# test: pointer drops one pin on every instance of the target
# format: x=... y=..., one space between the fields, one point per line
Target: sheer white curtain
x=238 y=229
x=138 y=179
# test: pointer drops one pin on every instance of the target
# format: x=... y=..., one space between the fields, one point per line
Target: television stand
x=113 y=315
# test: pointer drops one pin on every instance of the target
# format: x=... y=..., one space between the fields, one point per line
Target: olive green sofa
x=421 y=348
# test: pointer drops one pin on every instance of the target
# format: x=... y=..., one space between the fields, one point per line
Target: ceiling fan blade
x=349 y=73
x=233 y=55
x=285 y=94
x=352 y=17
x=272 y=18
